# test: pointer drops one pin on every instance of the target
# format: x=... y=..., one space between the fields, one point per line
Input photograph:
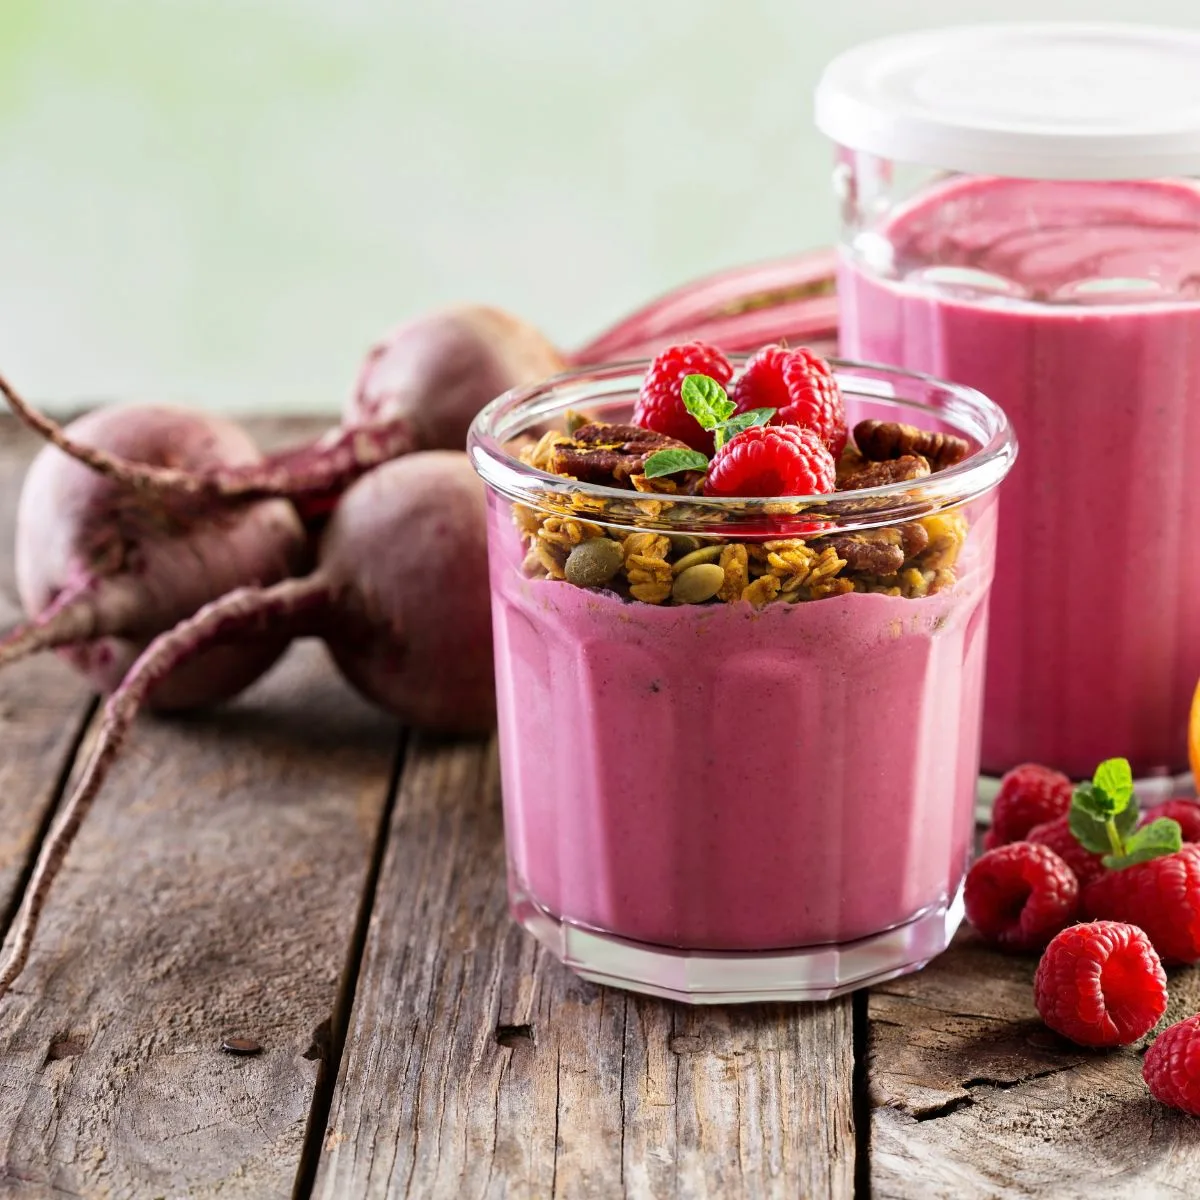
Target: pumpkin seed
x=698 y=583
x=594 y=562
x=704 y=554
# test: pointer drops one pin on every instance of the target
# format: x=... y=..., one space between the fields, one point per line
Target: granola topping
x=911 y=560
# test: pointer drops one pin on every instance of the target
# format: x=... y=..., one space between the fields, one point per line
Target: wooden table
x=296 y=870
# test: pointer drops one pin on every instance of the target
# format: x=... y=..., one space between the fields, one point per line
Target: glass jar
x=1020 y=215
x=762 y=788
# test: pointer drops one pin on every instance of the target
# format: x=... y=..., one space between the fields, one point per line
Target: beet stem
x=71 y=617
x=326 y=466
x=294 y=606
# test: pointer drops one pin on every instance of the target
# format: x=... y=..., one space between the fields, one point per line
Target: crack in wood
x=329 y=1038
x=514 y=1037
x=860 y=1096
x=65 y=1045
x=937 y=1111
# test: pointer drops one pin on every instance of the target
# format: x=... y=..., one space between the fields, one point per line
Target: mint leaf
x=1089 y=831
x=1115 y=778
x=1093 y=801
x=668 y=462
x=742 y=422
x=1151 y=841
x=1126 y=820
x=706 y=400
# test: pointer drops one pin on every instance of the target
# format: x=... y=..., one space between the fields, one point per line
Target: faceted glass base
x=711 y=977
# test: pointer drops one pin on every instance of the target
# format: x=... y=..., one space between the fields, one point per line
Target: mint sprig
x=668 y=462
x=1104 y=819
x=707 y=401
x=709 y=404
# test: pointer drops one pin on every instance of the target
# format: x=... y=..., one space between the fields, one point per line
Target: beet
x=419 y=388
x=102 y=570
x=789 y=300
x=400 y=595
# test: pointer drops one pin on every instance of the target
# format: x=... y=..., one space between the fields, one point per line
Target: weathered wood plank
x=477 y=1067
x=973 y=1097
x=213 y=891
x=42 y=704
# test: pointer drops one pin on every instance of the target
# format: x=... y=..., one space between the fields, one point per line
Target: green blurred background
x=225 y=201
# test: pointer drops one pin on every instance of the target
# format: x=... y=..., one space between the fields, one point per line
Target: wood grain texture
x=476 y=1066
x=43 y=705
x=213 y=891
x=973 y=1097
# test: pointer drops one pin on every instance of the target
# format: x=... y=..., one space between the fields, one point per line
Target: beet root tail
x=320 y=468
x=73 y=617
x=294 y=604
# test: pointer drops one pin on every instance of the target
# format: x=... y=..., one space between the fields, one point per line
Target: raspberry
x=1029 y=795
x=801 y=386
x=1186 y=812
x=1101 y=984
x=660 y=401
x=1058 y=836
x=1161 y=896
x=1020 y=895
x=766 y=460
x=1172 y=1066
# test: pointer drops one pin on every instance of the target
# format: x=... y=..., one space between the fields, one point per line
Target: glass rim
x=521 y=410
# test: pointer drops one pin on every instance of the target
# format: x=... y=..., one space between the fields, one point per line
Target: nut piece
x=594 y=562
x=607 y=454
x=874 y=552
x=914 y=537
x=883 y=440
x=698 y=583
x=895 y=470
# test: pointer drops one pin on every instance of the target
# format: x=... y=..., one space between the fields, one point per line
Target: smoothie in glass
x=1020 y=210
x=1076 y=306
x=767 y=791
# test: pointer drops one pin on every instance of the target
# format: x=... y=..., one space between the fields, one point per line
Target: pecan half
x=883 y=440
x=914 y=537
x=608 y=454
x=895 y=470
x=873 y=552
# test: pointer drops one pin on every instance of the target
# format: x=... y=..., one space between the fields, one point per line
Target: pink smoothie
x=721 y=778
x=1095 y=626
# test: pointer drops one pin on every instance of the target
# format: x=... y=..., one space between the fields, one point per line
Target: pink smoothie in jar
x=728 y=801
x=1043 y=268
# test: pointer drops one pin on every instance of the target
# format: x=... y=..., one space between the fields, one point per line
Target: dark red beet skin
x=130 y=565
x=406 y=550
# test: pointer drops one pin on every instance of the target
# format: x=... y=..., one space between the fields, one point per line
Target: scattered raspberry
x=1021 y=895
x=660 y=401
x=1161 y=896
x=1172 y=1066
x=1101 y=984
x=1029 y=795
x=801 y=386
x=1058 y=836
x=1186 y=812
x=769 y=460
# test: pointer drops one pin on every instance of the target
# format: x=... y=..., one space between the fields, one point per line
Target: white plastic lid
x=1039 y=100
